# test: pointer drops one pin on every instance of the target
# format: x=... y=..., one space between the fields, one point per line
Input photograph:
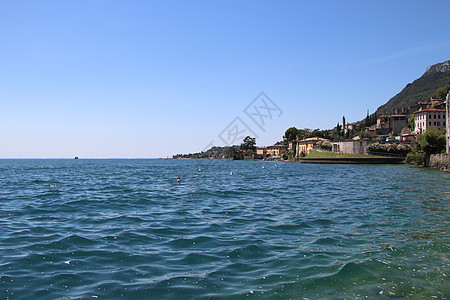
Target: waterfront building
x=307 y=145
x=425 y=118
x=291 y=145
x=261 y=151
x=276 y=150
x=447 y=118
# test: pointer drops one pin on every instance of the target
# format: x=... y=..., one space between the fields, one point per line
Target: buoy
x=178 y=179
x=231 y=173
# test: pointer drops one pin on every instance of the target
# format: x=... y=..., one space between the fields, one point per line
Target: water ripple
x=113 y=229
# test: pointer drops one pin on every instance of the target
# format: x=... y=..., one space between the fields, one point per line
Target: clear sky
x=128 y=79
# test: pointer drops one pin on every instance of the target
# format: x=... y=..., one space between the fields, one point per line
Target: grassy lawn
x=316 y=154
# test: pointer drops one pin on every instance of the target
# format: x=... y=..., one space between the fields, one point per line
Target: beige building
x=261 y=151
x=307 y=145
x=426 y=118
x=276 y=150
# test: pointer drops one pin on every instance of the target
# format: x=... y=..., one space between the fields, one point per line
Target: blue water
x=111 y=229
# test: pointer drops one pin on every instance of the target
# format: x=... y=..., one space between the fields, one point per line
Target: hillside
x=216 y=152
x=421 y=89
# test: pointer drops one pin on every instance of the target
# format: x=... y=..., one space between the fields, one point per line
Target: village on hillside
x=388 y=135
x=385 y=135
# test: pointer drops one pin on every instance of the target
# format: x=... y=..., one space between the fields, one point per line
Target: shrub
x=416 y=158
x=392 y=148
x=389 y=148
x=430 y=142
x=374 y=147
x=324 y=145
x=404 y=148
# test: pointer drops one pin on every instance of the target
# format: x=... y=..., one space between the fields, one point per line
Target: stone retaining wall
x=368 y=160
x=440 y=161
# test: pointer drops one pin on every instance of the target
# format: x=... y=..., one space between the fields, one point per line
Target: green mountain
x=421 y=89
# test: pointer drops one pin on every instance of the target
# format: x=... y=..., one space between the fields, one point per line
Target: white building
x=429 y=117
x=447 y=118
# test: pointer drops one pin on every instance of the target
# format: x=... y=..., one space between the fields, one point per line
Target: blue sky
x=131 y=79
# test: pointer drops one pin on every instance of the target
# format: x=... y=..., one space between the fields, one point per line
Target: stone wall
x=440 y=161
x=353 y=147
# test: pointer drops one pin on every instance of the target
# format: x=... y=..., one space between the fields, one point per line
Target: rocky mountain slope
x=421 y=89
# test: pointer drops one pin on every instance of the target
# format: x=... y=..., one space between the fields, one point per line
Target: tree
x=291 y=134
x=303 y=133
x=338 y=129
x=317 y=133
x=232 y=153
x=248 y=144
x=442 y=92
x=430 y=142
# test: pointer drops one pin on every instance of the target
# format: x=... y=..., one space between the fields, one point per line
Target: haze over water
x=111 y=229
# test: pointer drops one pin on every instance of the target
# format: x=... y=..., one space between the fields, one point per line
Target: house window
x=429 y=123
x=438 y=123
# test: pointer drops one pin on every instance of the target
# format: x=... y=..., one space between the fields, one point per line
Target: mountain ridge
x=439 y=67
x=421 y=89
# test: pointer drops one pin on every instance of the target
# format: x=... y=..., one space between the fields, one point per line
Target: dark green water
x=110 y=229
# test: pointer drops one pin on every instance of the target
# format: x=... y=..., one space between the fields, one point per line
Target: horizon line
x=73 y=158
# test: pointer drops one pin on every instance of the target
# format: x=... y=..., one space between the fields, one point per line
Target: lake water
x=112 y=229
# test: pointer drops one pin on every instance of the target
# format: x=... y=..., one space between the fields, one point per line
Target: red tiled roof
x=314 y=139
x=430 y=110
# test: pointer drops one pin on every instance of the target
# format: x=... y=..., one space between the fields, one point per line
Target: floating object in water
x=52 y=185
x=76 y=157
x=178 y=179
x=199 y=169
x=263 y=167
x=67 y=262
x=231 y=173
